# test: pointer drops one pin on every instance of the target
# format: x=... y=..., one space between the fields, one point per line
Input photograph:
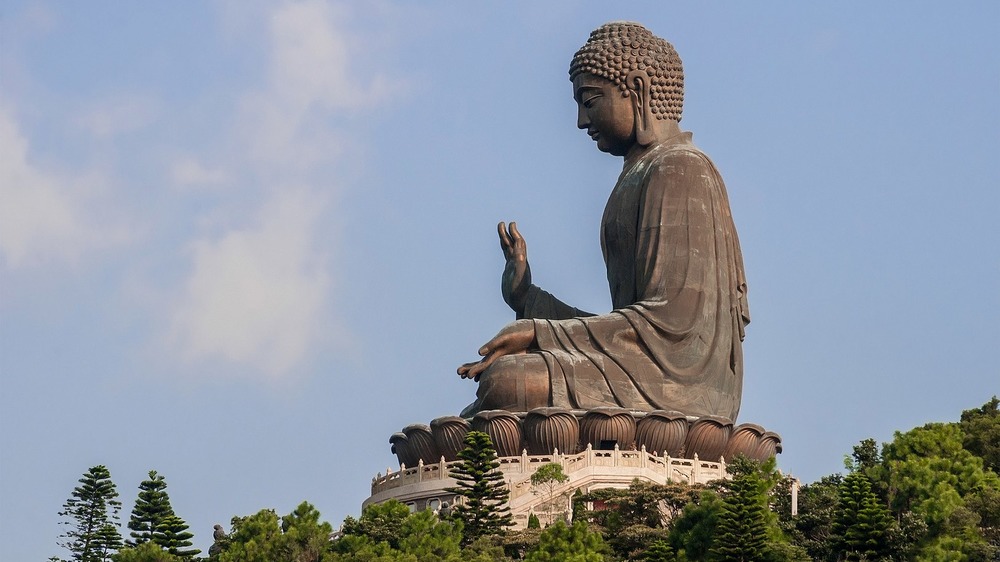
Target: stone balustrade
x=517 y=470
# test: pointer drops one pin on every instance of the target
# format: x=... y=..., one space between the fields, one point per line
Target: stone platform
x=424 y=486
x=600 y=448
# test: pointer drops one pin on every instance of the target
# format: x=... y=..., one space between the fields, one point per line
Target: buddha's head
x=624 y=79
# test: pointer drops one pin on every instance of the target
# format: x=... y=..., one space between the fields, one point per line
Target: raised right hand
x=516 y=274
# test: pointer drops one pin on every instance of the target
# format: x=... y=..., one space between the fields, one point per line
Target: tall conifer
x=151 y=508
x=173 y=536
x=860 y=523
x=480 y=482
x=93 y=510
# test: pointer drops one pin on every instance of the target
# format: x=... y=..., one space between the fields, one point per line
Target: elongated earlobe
x=638 y=83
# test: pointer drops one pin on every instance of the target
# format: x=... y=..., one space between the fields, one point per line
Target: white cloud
x=312 y=70
x=189 y=171
x=256 y=296
x=122 y=114
x=42 y=218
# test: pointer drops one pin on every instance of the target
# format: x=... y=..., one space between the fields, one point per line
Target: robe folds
x=678 y=289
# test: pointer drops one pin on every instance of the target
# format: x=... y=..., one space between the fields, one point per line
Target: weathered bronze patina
x=673 y=340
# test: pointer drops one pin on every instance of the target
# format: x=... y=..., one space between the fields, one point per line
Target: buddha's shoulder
x=677 y=156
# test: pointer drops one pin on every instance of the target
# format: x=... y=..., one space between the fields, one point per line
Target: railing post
x=420 y=471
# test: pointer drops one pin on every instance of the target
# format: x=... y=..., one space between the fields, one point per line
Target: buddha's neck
x=661 y=130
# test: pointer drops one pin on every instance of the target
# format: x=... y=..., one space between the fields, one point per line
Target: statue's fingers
x=505 y=242
x=515 y=235
x=463 y=371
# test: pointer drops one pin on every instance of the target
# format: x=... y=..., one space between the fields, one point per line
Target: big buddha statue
x=673 y=340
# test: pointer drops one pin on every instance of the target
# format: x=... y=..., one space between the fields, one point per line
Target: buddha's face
x=607 y=115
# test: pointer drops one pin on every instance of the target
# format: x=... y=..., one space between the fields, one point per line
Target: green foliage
x=560 y=543
x=428 y=538
x=262 y=537
x=379 y=522
x=517 y=544
x=642 y=503
x=632 y=543
x=659 y=551
x=145 y=552
x=932 y=475
x=93 y=512
x=549 y=473
x=693 y=529
x=861 y=523
x=545 y=481
x=981 y=429
x=386 y=533
x=151 y=507
x=930 y=471
x=942 y=497
x=866 y=455
x=812 y=528
x=742 y=530
x=172 y=534
x=485 y=511
x=533 y=522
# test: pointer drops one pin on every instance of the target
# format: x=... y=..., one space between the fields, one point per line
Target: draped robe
x=678 y=289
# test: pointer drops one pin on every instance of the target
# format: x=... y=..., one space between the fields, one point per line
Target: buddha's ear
x=638 y=85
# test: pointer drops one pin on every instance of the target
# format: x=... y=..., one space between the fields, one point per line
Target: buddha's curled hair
x=615 y=49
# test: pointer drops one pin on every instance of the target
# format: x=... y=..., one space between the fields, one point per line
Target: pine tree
x=151 y=508
x=560 y=543
x=860 y=523
x=173 y=536
x=742 y=531
x=94 y=535
x=659 y=551
x=480 y=482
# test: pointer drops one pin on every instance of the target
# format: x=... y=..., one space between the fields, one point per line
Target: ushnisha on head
x=616 y=50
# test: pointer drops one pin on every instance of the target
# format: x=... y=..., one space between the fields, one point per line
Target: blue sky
x=241 y=243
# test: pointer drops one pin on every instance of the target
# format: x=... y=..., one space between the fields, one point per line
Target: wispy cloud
x=313 y=71
x=43 y=217
x=256 y=296
x=122 y=114
x=189 y=171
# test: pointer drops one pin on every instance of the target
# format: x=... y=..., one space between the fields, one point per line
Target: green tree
x=576 y=543
x=172 y=535
x=379 y=523
x=981 y=429
x=93 y=512
x=388 y=534
x=151 y=507
x=812 y=528
x=741 y=534
x=746 y=528
x=642 y=503
x=480 y=482
x=304 y=537
x=692 y=531
x=659 y=551
x=146 y=552
x=861 y=522
x=931 y=474
x=533 y=522
x=547 y=479
x=263 y=537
